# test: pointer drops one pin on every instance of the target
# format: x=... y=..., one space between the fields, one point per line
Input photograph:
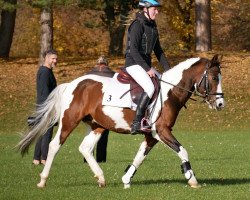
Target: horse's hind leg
x=62 y=133
x=54 y=146
x=86 y=148
x=143 y=151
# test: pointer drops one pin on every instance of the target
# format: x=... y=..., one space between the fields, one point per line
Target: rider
x=142 y=39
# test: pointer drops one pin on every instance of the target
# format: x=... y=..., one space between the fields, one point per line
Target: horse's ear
x=217 y=58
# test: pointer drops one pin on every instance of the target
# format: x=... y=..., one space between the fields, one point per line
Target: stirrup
x=141 y=127
x=145 y=125
x=135 y=127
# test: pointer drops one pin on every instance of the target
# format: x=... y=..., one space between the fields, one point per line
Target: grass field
x=218 y=144
x=219 y=159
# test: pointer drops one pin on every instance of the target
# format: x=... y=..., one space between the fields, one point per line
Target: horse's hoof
x=42 y=182
x=127 y=186
x=193 y=183
x=100 y=181
x=40 y=185
x=101 y=185
x=195 y=186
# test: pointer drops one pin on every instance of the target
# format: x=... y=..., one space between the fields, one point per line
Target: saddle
x=135 y=89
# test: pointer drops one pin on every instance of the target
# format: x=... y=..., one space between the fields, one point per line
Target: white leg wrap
x=186 y=167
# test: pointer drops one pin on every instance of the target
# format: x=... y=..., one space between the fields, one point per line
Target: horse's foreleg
x=54 y=146
x=144 y=149
x=86 y=148
x=186 y=169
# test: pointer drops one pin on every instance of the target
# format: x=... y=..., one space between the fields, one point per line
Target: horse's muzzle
x=217 y=104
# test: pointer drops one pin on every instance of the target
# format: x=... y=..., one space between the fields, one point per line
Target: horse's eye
x=215 y=78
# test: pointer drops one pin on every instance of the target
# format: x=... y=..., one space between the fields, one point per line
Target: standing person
x=45 y=83
x=142 y=39
x=102 y=69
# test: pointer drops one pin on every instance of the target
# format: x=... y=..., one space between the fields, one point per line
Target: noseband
x=207 y=93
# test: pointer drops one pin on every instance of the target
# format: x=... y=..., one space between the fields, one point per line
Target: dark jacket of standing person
x=45 y=84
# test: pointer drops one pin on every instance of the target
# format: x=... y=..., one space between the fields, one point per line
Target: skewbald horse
x=81 y=100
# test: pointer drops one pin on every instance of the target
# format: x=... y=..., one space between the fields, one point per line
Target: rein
x=178 y=86
x=195 y=92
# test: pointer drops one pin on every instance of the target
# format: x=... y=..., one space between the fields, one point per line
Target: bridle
x=204 y=79
x=206 y=93
x=203 y=95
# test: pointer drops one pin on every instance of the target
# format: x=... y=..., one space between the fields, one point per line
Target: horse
x=81 y=101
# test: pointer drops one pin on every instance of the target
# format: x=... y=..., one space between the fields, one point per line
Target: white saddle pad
x=114 y=94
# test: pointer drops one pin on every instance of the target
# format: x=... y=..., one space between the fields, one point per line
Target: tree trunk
x=116 y=40
x=203 y=25
x=46 y=32
x=116 y=25
x=7 y=27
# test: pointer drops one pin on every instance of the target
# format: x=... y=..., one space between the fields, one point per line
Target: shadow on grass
x=211 y=182
x=226 y=181
x=214 y=181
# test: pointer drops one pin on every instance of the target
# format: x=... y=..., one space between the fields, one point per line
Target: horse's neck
x=175 y=75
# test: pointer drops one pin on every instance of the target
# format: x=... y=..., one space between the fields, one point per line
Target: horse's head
x=209 y=85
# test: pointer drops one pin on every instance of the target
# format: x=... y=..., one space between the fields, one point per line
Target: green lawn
x=220 y=160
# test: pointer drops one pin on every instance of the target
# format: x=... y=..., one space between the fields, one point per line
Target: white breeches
x=142 y=78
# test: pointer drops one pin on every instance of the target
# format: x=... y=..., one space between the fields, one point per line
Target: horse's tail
x=46 y=115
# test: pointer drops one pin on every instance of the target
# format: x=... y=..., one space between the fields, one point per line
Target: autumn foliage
x=82 y=32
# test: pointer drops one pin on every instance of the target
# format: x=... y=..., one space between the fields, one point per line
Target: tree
x=7 y=26
x=46 y=41
x=46 y=32
x=203 y=25
x=116 y=12
x=180 y=18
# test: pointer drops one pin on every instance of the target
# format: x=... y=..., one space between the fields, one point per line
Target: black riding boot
x=140 y=112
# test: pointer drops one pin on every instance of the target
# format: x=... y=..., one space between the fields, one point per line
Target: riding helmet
x=149 y=3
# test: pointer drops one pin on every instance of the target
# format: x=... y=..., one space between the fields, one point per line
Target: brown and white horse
x=81 y=100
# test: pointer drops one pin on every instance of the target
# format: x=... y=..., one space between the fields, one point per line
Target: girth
x=135 y=89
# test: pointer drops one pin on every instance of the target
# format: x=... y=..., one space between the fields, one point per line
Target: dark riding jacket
x=45 y=83
x=142 y=40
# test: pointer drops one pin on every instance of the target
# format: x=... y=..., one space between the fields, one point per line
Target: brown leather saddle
x=135 y=89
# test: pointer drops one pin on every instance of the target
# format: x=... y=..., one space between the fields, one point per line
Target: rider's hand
x=151 y=73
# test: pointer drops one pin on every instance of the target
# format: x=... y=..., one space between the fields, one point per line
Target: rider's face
x=152 y=12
